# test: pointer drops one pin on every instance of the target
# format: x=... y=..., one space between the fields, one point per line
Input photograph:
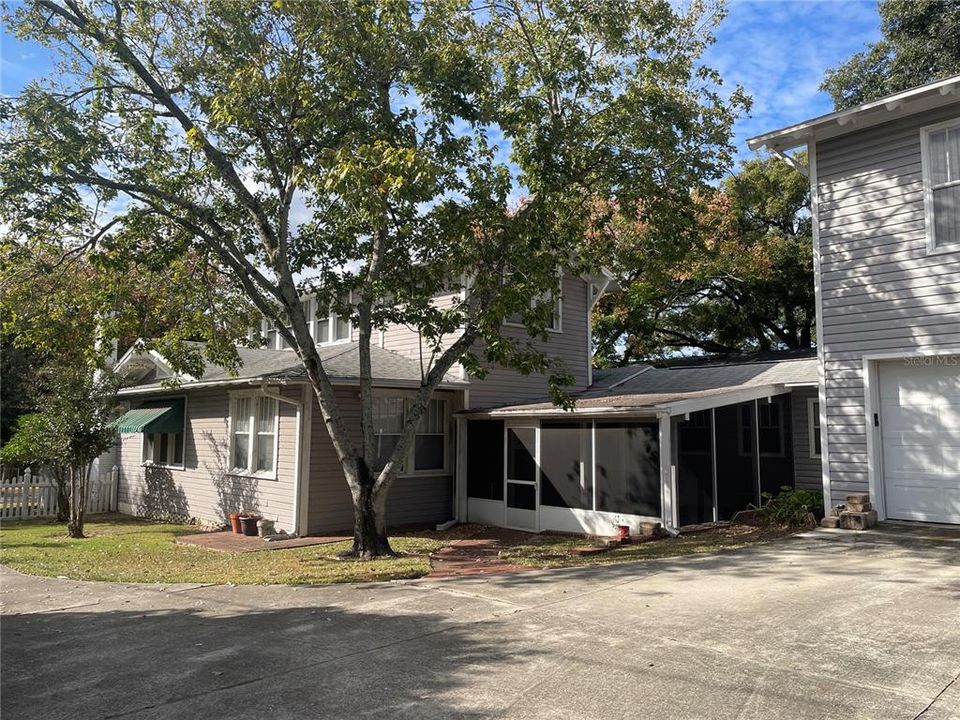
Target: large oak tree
x=379 y=151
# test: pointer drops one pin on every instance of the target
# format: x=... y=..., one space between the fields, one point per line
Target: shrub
x=791 y=506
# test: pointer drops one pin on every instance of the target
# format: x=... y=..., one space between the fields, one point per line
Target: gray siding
x=412 y=499
x=881 y=291
x=204 y=489
x=568 y=347
x=806 y=469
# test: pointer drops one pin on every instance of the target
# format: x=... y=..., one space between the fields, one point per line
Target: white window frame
x=813 y=426
x=408 y=467
x=928 y=188
x=171 y=463
x=557 y=297
x=252 y=449
x=309 y=302
x=332 y=318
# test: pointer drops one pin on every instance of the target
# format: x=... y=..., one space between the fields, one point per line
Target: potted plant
x=622 y=529
x=248 y=522
x=235 y=522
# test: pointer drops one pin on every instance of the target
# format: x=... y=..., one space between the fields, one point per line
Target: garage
x=920 y=431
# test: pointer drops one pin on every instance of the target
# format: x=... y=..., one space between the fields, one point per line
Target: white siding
x=881 y=290
x=204 y=489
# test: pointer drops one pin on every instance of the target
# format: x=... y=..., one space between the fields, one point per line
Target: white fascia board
x=642 y=412
x=843 y=121
x=805 y=384
x=348 y=382
x=734 y=397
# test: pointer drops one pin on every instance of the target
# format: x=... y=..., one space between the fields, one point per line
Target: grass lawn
x=551 y=551
x=132 y=550
x=122 y=549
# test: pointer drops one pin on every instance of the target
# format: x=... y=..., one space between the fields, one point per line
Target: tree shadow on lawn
x=296 y=662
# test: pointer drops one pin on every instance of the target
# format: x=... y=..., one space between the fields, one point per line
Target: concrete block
x=858 y=520
x=859 y=507
x=830 y=521
x=858 y=498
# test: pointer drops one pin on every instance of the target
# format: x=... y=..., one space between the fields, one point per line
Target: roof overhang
x=902 y=104
x=682 y=406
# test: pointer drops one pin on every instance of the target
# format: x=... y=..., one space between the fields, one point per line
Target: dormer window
x=940 y=153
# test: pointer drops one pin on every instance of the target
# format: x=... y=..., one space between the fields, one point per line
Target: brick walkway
x=226 y=541
x=477 y=555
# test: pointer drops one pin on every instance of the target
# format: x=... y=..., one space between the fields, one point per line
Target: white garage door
x=920 y=428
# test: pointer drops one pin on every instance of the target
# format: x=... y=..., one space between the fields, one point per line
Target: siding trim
x=871 y=395
x=818 y=295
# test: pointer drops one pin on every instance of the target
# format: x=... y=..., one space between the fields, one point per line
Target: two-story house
x=679 y=445
x=885 y=182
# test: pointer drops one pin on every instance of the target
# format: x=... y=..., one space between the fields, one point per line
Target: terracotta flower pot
x=235 y=523
x=249 y=525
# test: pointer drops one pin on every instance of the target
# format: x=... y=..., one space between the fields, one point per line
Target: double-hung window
x=430 y=444
x=253 y=435
x=330 y=327
x=551 y=297
x=940 y=153
x=770 y=428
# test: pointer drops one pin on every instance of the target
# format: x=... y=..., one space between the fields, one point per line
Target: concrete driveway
x=827 y=625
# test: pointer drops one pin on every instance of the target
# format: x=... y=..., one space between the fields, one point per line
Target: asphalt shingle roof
x=341 y=361
x=656 y=387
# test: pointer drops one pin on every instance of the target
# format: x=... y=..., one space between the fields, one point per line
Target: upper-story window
x=940 y=151
x=328 y=327
x=325 y=327
x=553 y=296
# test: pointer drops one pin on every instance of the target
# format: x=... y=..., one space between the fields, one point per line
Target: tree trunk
x=369 y=517
x=63 y=496
x=78 y=496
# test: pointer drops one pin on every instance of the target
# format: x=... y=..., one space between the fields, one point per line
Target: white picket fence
x=34 y=495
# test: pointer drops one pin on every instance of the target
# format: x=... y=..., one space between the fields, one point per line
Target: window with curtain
x=430 y=444
x=941 y=174
x=253 y=438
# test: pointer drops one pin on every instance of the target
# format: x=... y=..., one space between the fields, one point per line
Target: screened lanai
x=682 y=446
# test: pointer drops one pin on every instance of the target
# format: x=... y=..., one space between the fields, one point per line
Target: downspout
x=296 y=458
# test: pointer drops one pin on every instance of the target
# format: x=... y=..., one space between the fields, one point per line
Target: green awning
x=160 y=416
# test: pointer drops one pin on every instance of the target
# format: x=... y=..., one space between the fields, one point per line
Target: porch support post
x=303 y=482
x=668 y=489
x=460 y=481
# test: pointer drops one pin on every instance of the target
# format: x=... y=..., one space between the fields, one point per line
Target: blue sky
x=777 y=49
